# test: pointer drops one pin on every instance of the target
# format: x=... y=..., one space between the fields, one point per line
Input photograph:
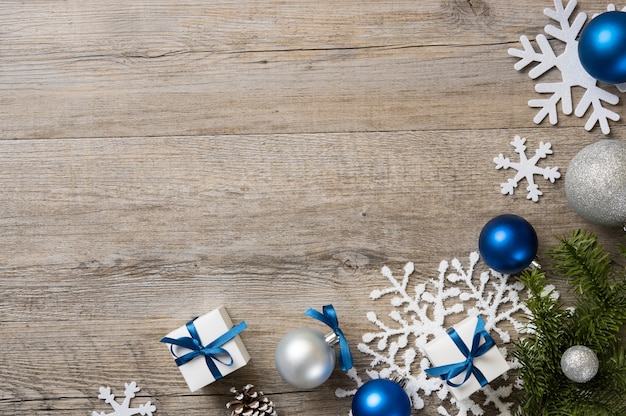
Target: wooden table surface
x=161 y=158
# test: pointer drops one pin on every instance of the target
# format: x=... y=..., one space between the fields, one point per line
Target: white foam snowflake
x=422 y=312
x=526 y=168
x=572 y=72
x=124 y=408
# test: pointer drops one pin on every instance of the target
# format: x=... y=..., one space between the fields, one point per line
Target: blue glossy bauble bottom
x=602 y=47
x=381 y=398
x=508 y=243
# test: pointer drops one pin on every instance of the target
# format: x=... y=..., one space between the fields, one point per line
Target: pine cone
x=250 y=403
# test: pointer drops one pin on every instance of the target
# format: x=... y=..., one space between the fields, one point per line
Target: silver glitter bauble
x=595 y=183
x=304 y=358
x=579 y=363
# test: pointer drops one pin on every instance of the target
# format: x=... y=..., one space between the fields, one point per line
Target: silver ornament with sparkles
x=304 y=358
x=579 y=363
x=595 y=183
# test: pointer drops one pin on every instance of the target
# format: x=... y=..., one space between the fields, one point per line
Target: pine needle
x=600 y=313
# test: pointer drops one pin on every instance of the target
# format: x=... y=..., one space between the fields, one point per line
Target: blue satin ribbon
x=450 y=371
x=213 y=351
x=329 y=317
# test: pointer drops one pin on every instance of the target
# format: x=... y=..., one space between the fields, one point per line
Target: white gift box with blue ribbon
x=466 y=357
x=207 y=348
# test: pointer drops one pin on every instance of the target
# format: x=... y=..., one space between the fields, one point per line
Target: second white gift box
x=207 y=348
x=466 y=357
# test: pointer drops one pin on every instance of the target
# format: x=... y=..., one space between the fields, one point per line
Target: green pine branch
x=599 y=314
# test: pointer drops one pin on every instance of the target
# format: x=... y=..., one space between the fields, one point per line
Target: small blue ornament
x=602 y=47
x=381 y=397
x=508 y=243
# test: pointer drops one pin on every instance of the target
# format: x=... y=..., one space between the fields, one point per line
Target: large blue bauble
x=508 y=243
x=602 y=47
x=381 y=397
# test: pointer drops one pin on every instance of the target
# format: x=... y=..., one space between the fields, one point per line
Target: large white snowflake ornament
x=124 y=408
x=572 y=72
x=422 y=311
x=526 y=168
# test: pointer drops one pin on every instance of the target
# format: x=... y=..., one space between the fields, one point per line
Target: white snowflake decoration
x=421 y=313
x=526 y=168
x=124 y=408
x=572 y=72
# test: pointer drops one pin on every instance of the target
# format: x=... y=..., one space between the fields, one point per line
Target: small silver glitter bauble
x=595 y=183
x=579 y=363
x=304 y=358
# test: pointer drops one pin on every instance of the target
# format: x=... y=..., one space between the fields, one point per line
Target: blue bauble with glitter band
x=602 y=47
x=381 y=397
x=508 y=244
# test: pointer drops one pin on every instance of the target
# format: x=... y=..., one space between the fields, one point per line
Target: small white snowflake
x=526 y=168
x=124 y=408
x=572 y=72
x=421 y=312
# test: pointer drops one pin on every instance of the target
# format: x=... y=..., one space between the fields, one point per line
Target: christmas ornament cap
x=595 y=183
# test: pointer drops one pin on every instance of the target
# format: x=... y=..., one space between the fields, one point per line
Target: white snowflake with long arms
x=526 y=168
x=124 y=408
x=572 y=72
x=422 y=312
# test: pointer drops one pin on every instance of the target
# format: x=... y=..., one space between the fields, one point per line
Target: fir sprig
x=600 y=312
x=600 y=288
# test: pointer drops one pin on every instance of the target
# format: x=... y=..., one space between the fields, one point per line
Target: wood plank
x=180 y=193
x=148 y=28
x=241 y=67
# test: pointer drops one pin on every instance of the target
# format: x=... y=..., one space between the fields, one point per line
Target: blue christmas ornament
x=381 y=397
x=602 y=47
x=508 y=243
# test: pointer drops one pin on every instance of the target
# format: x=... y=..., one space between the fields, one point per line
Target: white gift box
x=209 y=327
x=443 y=351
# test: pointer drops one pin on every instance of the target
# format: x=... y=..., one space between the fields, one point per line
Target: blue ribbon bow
x=329 y=317
x=450 y=371
x=212 y=351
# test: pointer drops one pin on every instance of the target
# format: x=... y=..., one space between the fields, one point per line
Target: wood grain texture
x=86 y=69
x=159 y=159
